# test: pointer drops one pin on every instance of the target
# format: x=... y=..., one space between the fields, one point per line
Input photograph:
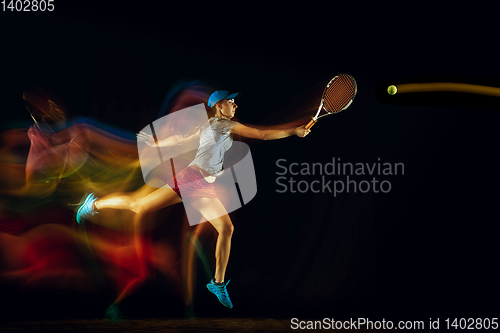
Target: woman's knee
x=226 y=229
x=230 y=228
x=136 y=205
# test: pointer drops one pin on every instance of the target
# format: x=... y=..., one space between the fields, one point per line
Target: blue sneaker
x=86 y=208
x=221 y=292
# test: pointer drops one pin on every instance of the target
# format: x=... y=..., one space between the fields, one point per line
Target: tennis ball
x=392 y=90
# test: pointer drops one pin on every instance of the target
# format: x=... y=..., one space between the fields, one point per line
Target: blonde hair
x=213 y=110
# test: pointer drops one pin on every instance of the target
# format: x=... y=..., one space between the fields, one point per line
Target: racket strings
x=338 y=96
x=340 y=92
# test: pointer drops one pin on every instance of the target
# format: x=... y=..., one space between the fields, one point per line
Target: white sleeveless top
x=210 y=155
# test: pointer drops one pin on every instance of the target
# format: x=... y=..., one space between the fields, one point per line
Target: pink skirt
x=191 y=183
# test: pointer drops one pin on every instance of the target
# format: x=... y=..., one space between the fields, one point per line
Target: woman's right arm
x=269 y=134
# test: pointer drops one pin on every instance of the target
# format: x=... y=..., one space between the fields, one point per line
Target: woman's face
x=228 y=108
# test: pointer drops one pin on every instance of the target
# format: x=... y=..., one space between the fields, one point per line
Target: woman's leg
x=154 y=200
x=213 y=210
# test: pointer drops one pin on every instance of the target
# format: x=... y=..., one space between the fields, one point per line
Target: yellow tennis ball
x=392 y=90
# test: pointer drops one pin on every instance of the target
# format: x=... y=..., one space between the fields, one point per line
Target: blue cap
x=219 y=95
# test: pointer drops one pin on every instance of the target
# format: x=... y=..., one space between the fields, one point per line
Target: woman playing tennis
x=195 y=180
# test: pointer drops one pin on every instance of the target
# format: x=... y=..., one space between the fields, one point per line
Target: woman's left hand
x=147 y=138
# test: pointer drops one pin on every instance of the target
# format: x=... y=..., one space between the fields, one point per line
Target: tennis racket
x=337 y=96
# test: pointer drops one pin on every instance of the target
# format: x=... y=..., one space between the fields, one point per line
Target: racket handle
x=310 y=124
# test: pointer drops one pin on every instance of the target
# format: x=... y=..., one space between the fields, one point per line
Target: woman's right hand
x=302 y=131
x=145 y=137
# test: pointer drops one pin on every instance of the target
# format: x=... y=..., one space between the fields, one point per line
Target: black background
x=426 y=249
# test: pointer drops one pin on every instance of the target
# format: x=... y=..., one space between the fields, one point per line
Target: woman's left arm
x=269 y=134
x=173 y=140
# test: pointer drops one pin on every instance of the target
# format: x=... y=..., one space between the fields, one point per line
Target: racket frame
x=317 y=116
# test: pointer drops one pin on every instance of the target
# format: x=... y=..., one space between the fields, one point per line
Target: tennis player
x=196 y=180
